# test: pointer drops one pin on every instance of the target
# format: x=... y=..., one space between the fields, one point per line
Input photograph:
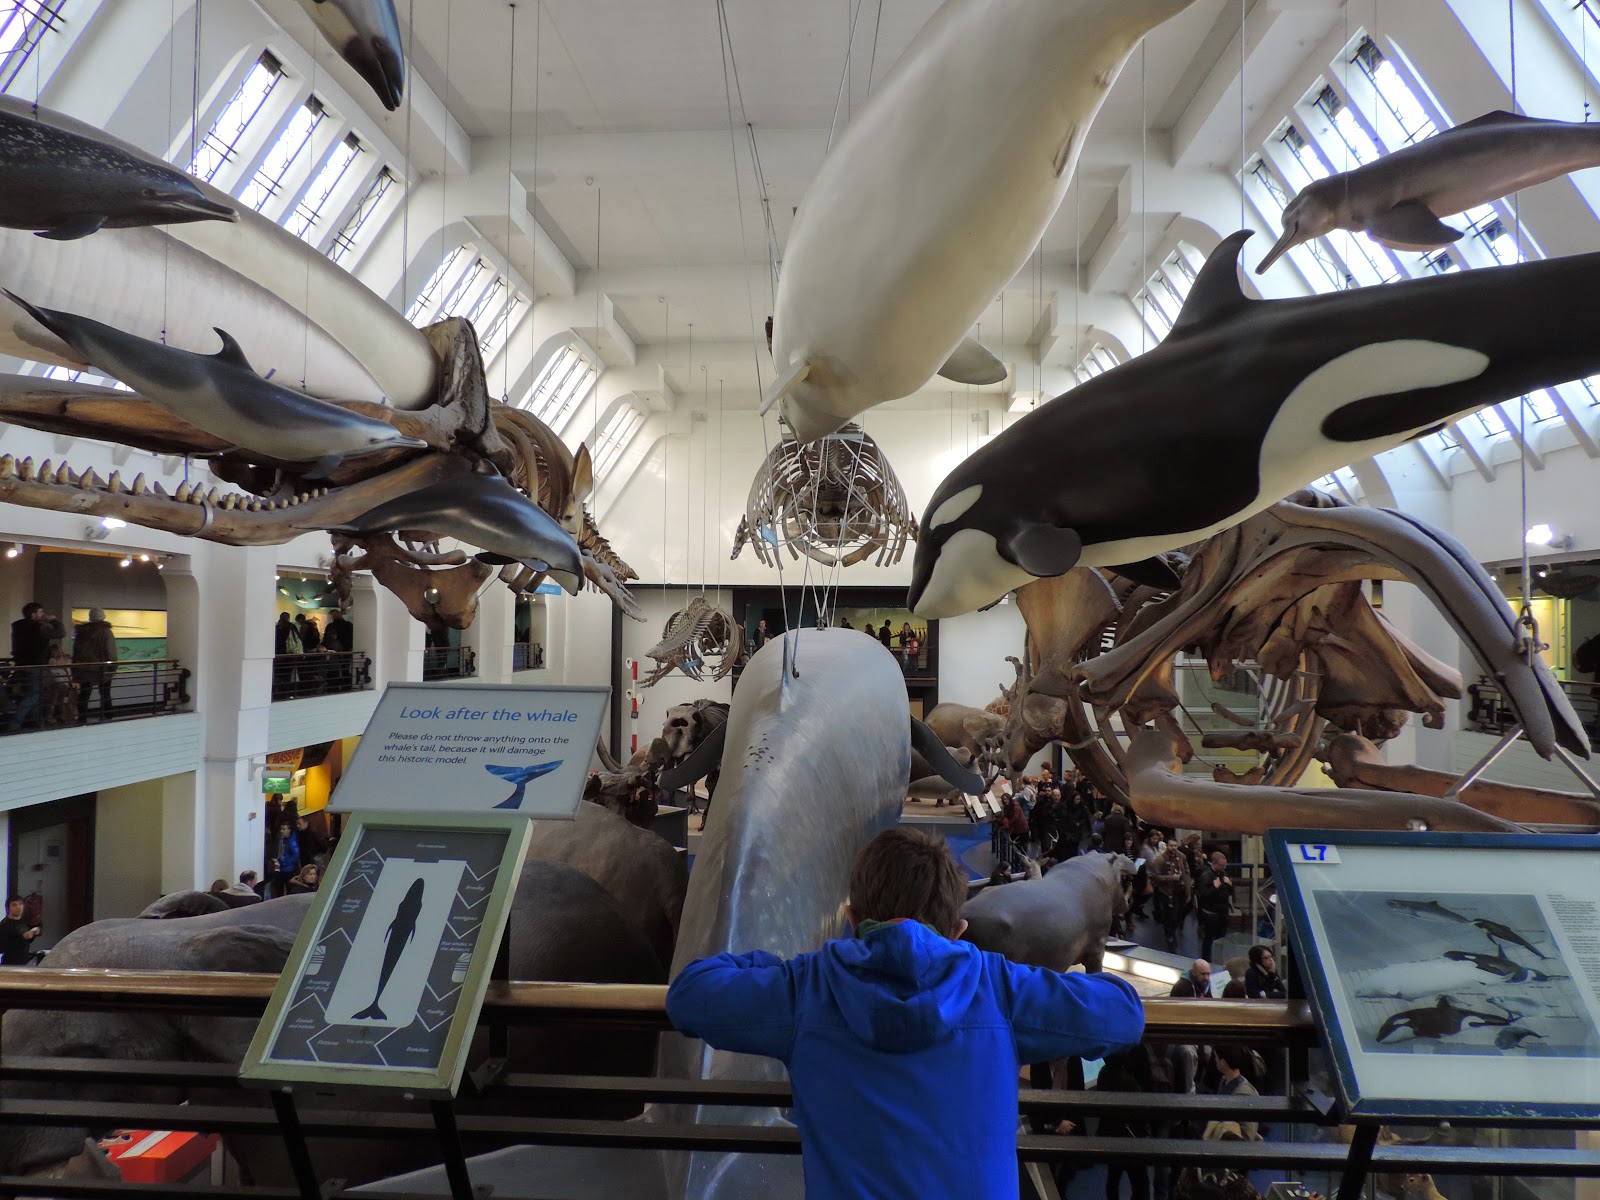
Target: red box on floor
x=159 y=1155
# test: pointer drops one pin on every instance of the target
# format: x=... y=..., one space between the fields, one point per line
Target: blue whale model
x=63 y=185
x=1245 y=401
x=399 y=935
x=522 y=777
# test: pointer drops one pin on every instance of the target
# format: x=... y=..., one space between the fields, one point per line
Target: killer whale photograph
x=1438 y=973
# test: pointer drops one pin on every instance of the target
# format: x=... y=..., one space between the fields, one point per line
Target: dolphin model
x=1503 y=935
x=400 y=933
x=1242 y=403
x=1443 y=1019
x=480 y=508
x=1430 y=909
x=935 y=195
x=64 y=185
x=1399 y=198
x=222 y=395
x=366 y=33
x=522 y=777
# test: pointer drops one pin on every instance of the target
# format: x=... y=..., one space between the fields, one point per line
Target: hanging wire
x=1244 y=156
x=872 y=60
x=1144 y=195
x=405 y=211
x=511 y=142
x=594 y=392
x=1529 y=627
x=844 y=76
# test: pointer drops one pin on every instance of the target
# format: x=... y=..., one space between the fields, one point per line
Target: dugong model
x=366 y=33
x=1242 y=403
x=1399 y=198
x=934 y=196
x=65 y=185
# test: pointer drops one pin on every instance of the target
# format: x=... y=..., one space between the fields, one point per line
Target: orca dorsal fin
x=1216 y=294
x=231 y=353
x=1501 y=117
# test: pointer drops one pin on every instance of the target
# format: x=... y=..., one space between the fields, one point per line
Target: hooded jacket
x=902 y=1048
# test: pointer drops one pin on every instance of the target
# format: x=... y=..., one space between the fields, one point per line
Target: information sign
x=475 y=748
x=1453 y=975
x=387 y=976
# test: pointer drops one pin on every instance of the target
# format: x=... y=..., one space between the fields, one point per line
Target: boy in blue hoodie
x=903 y=1043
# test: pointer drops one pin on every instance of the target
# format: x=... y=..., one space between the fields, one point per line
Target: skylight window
x=359 y=222
x=564 y=381
x=310 y=209
x=1438 y=443
x=448 y=268
x=1489 y=421
x=1097 y=361
x=23 y=23
x=619 y=431
x=221 y=143
x=1355 y=140
x=1399 y=101
x=293 y=143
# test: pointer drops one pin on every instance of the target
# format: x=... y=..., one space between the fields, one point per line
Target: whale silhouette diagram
x=522 y=777
x=401 y=930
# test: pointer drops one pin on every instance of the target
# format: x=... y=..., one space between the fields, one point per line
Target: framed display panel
x=462 y=748
x=1453 y=975
x=387 y=976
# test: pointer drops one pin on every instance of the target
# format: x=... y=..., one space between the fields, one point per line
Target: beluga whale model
x=65 y=185
x=1399 y=198
x=934 y=196
x=1242 y=403
x=222 y=395
x=366 y=33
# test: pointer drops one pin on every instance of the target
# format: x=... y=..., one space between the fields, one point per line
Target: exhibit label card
x=475 y=748
x=387 y=976
x=1454 y=974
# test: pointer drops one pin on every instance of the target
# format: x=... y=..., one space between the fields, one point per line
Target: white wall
x=127 y=849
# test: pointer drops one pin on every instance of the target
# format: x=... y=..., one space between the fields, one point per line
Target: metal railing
x=320 y=673
x=1487 y=711
x=480 y=1118
x=527 y=656
x=449 y=662
x=60 y=695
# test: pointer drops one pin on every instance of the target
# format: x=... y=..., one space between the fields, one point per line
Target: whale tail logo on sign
x=522 y=777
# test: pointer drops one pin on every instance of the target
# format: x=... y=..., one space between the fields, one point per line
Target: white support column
x=183 y=830
x=491 y=634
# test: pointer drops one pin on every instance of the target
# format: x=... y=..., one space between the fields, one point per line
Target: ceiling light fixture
x=13 y=549
x=126 y=562
x=1543 y=535
x=112 y=523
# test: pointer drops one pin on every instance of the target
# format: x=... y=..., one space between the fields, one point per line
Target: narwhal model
x=400 y=933
x=1399 y=198
x=935 y=195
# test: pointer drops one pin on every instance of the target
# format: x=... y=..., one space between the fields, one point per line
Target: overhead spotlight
x=126 y=562
x=144 y=558
x=112 y=523
x=1542 y=535
x=13 y=549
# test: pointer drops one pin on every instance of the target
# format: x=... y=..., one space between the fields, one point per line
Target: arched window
x=561 y=385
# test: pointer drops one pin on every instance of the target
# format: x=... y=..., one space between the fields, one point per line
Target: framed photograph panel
x=1453 y=975
x=387 y=976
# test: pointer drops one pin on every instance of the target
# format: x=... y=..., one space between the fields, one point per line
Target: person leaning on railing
x=30 y=651
x=94 y=657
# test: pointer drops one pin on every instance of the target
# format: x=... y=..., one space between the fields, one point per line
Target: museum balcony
x=66 y=694
x=449 y=662
x=320 y=673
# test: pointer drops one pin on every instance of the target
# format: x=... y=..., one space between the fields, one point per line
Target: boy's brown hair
x=903 y=873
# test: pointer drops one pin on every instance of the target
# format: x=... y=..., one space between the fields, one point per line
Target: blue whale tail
x=370 y=1013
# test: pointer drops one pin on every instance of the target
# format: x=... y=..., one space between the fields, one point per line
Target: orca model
x=64 y=185
x=222 y=394
x=1399 y=198
x=522 y=777
x=366 y=33
x=480 y=508
x=401 y=930
x=1501 y=935
x=1242 y=403
x=1426 y=908
x=934 y=196
x=1501 y=967
x=1443 y=1019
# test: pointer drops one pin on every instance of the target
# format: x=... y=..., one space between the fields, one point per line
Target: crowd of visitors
x=310 y=659
x=48 y=686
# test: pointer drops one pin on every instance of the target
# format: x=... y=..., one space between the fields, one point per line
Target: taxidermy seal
x=1444 y=1019
x=401 y=930
x=1242 y=403
x=366 y=33
x=480 y=508
x=1503 y=935
x=935 y=195
x=1399 y=198
x=522 y=777
x=222 y=394
x=63 y=185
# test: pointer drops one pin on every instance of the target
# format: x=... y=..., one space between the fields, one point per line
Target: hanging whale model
x=366 y=33
x=480 y=508
x=222 y=394
x=934 y=196
x=1242 y=403
x=522 y=777
x=400 y=933
x=64 y=185
x=1399 y=198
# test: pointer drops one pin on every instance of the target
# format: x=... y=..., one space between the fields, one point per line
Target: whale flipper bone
x=973 y=363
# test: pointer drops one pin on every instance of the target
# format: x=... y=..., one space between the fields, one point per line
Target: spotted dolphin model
x=1242 y=403
x=64 y=185
x=222 y=394
x=480 y=508
x=934 y=196
x=1399 y=198
x=366 y=33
